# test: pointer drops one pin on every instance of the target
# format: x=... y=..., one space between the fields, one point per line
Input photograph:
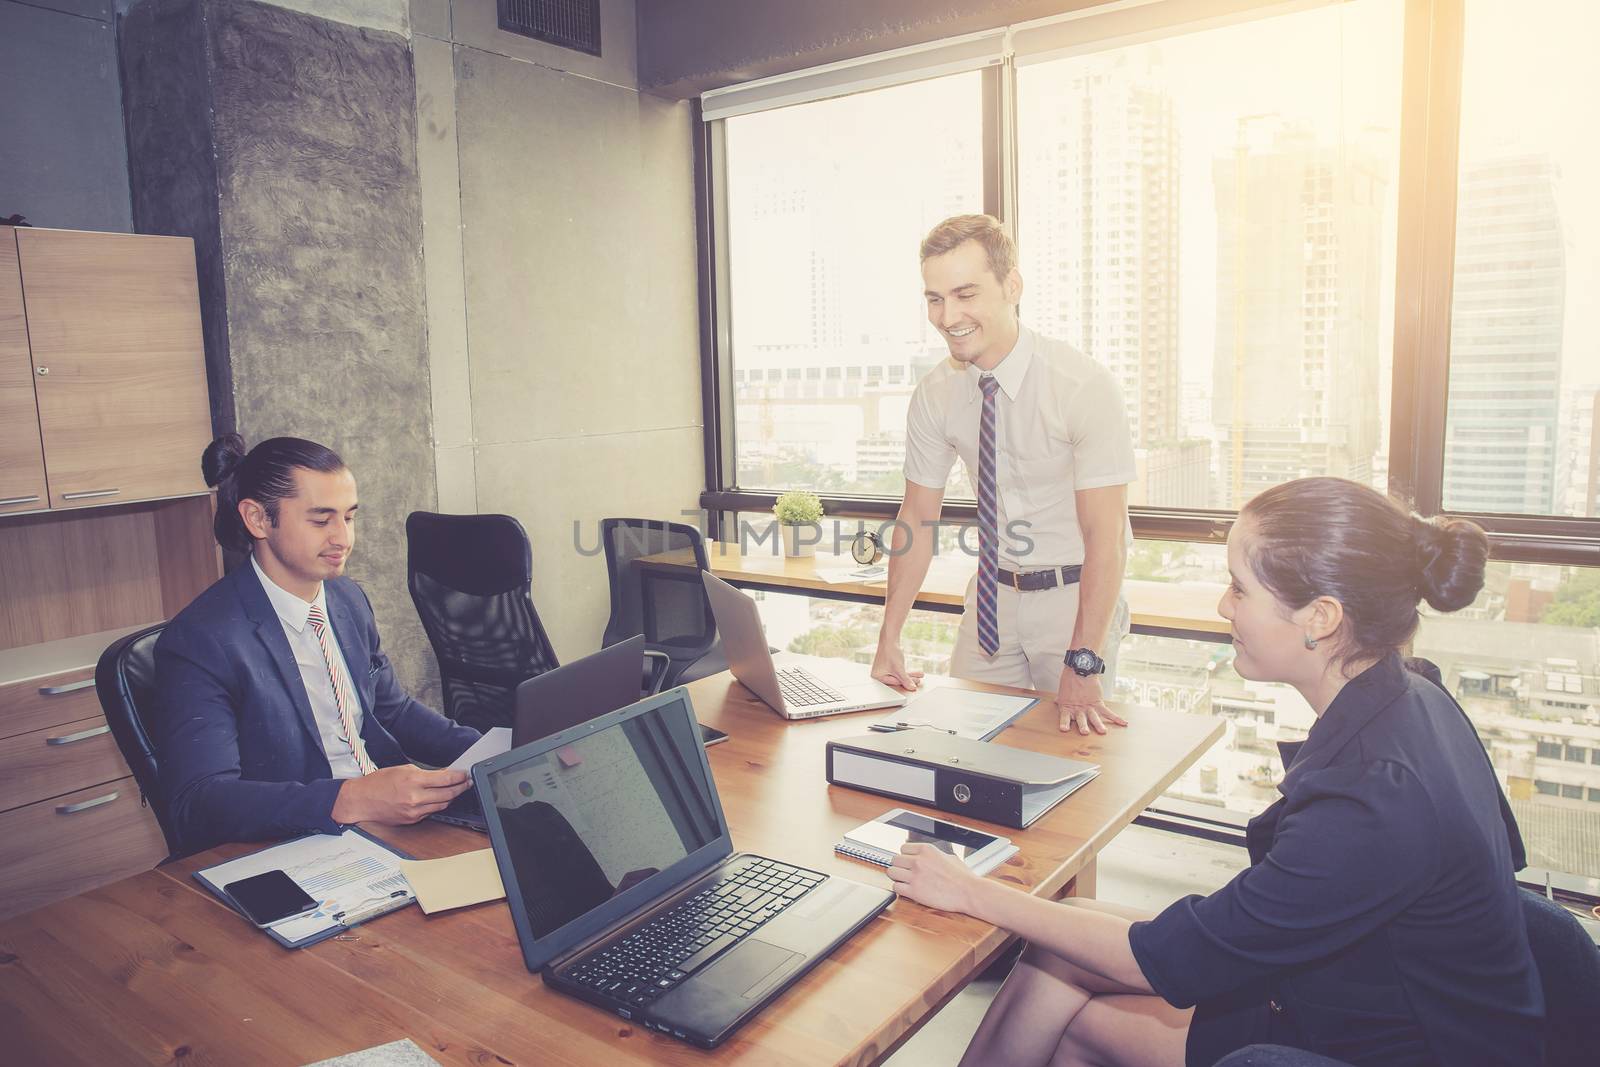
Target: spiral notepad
x=864 y=852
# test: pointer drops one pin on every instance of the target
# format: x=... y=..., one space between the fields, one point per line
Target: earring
x=1311 y=642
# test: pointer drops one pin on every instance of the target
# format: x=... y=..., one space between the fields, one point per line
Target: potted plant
x=799 y=510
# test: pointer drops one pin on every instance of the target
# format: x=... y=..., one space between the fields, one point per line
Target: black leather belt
x=1033 y=581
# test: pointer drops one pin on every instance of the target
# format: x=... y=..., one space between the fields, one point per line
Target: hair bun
x=222 y=458
x=1451 y=554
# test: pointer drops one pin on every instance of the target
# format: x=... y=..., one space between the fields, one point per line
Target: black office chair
x=668 y=606
x=1569 y=971
x=471 y=578
x=124 y=680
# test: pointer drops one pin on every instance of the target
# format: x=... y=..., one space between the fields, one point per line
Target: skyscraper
x=1099 y=232
x=1505 y=339
x=1295 y=371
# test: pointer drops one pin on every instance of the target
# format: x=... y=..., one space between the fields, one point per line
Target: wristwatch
x=1084 y=662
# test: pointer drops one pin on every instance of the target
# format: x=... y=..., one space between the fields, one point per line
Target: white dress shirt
x=1060 y=426
x=293 y=613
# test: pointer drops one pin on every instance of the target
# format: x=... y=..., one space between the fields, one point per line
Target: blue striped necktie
x=988 y=529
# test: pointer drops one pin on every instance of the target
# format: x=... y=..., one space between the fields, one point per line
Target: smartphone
x=268 y=897
x=895 y=829
x=710 y=735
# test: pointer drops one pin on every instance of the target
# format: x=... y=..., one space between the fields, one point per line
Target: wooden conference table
x=154 y=969
x=1171 y=609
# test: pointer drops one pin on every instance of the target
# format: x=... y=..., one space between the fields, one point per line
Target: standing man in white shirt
x=1043 y=431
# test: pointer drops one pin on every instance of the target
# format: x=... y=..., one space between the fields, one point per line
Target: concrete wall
x=65 y=162
x=317 y=237
x=559 y=239
x=689 y=46
x=172 y=168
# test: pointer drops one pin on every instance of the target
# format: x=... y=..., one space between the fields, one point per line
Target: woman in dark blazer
x=1378 y=921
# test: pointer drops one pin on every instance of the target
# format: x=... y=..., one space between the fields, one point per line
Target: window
x=1531 y=630
x=1248 y=327
x=827 y=203
x=1217 y=213
x=1524 y=380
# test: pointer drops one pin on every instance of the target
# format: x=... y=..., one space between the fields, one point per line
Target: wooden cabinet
x=75 y=842
x=115 y=400
x=105 y=527
x=70 y=812
x=22 y=486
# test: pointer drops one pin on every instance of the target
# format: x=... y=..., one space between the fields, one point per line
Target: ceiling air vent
x=569 y=23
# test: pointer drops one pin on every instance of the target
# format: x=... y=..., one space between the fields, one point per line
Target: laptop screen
x=591 y=814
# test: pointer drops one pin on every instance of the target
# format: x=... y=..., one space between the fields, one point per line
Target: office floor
x=1144 y=868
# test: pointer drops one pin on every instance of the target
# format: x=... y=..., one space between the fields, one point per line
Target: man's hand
x=403 y=794
x=1082 y=705
x=931 y=876
x=889 y=667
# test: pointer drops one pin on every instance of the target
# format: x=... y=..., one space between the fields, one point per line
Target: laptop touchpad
x=752 y=968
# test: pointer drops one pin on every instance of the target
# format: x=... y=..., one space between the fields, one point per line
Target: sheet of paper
x=494 y=741
x=964 y=712
x=348 y=874
x=455 y=881
x=869 y=575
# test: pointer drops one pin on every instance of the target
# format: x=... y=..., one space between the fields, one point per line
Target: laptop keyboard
x=802 y=689
x=673 y=945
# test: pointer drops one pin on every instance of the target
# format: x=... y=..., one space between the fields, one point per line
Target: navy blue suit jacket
x=241 y=757
x=1379 y=921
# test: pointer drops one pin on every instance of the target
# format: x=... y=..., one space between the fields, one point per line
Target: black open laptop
x=562 y=698
x=624 y=886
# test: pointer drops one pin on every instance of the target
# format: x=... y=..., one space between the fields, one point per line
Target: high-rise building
x=1578 y=458
x=1505 y=339
x=1173 y=475
x=1295 y=372
x=1099 y=233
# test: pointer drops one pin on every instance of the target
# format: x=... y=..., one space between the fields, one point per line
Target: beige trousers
x=1035 y=633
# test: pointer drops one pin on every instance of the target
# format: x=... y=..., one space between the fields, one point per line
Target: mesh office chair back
x=124 y=680
x=471 y=579
x=666 y=604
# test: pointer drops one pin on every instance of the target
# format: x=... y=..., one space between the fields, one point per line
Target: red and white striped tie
x=342 y=697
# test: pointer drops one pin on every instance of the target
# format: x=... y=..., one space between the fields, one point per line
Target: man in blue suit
x=279 y=713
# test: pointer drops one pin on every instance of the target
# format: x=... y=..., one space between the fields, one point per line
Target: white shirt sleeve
x=1102 y=445
x=930 y=454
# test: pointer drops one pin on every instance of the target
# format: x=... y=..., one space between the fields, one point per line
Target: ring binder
x=996 y=783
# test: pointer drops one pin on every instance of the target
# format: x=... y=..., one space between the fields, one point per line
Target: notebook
x=881 y=840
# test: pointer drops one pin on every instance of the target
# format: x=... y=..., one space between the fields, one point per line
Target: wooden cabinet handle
x=85 y=805
x=85 y=495
x=81 y=735
x=8 y=502
x=70 y=687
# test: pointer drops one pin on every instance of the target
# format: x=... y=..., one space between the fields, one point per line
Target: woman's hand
x=933 y=877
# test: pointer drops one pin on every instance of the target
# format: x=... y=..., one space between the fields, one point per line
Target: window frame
x=1432 y=59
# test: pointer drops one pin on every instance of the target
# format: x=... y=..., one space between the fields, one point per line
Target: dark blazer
x=1379 y=921
x=240 y=755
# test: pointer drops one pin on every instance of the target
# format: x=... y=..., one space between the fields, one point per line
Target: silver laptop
x=794 y=686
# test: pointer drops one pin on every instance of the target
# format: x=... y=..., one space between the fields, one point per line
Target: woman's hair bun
x=1451 y=554
x=222 y=458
